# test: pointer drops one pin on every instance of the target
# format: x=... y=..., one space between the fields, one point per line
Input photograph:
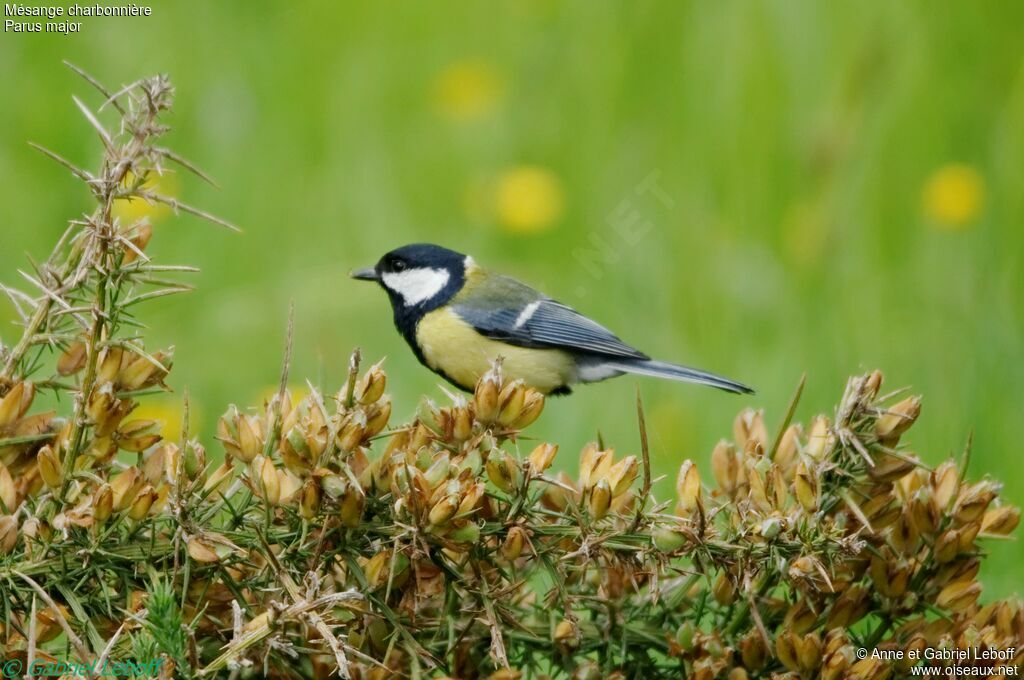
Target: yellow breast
x=453 y=347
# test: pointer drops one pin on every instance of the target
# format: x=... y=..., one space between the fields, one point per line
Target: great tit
x=458 y=318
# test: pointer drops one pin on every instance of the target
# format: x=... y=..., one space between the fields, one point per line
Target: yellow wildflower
x=468 y=90
x=953 y=196
x=528 y=199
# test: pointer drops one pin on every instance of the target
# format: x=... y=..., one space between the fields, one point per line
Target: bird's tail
x=663 y=369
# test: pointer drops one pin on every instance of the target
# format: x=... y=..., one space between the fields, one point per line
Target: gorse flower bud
x=820 y=439
x=1001 y=521
x=50 y=468
x=511 y=401
x=805 y=487
x=486 y=402
x=958 y=596
x=8 y=493
x=541 y=457
x=514 y=543
x=8 y=533
x=16 y=403
x=371 y=387
x=102 y=503
x=749 y=428
x=533 y=406
x=973 y=501
x=72 y=360
x=622 y=474
x=600 y=499
x=310 y=499
x=945 y=484
x=725 y=466
x=503 y=471
x=898 y=419
x=142 y=503
x=688 y=489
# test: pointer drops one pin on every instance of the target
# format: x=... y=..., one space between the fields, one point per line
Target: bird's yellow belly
x=454 y=348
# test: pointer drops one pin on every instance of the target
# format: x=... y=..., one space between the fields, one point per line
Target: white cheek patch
x=416 y=285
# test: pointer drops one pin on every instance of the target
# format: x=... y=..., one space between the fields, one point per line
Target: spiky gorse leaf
x=327 y=540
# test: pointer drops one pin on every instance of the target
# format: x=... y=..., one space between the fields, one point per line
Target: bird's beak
x=365 y=274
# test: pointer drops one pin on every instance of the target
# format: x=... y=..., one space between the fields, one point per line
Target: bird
x=458 y=318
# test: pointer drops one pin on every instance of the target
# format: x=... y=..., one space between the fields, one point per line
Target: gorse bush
x=328 y=541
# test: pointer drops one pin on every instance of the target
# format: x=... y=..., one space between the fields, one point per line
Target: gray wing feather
x=550 y=325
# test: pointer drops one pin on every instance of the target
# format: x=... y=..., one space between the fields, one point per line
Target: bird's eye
x=398 y=265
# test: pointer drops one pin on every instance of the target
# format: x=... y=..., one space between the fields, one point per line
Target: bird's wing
x=508 y=310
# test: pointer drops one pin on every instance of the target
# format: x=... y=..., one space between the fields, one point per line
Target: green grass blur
x=790 y=145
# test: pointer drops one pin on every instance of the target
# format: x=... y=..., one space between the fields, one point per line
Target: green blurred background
x=757 y=188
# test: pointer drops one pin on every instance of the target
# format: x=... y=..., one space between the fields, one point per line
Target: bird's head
x=420 y=276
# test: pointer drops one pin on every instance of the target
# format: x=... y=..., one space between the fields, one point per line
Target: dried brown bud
x=888 y=467
x=898 y=419
x=820 y=439
x=924 y=511
x=849 y=608
x=748 y=427
x=533 y=405
x=462 y=423
x=511 y=399
x=724 y=589
x=594 y=465
x=485 y=397
x=959 y=596
x=16 y=402
x=143 y=502
x=268 y=481
x=800 y=617
x=873 y=384
x=443 y=511
x=102 y=503
x=725 y=467
x=138 y=435
x=250 y=438
x=786 y=650
x=371 y=387
x=566 y=635
x=136 y=371
x=889 y=575
x=126 y=487
x=8 y=533
x=310 y=499
x=1000 y=521
x=50 y=468
x=788 y=446
x=503 y=471
x=202 y=550
x=973 y=501
x=514 y=543
x=110 y=360
x=600 y=499
x=8 y=492
x=72 y=360
x=808 y=652
x=805 y=487
x=688 y=488
x=377 y=417
x=351 y=434
x=386 y=565
x=753 y=650
x=541 y=457
x=945 y=484
x=622 y=474
x=138 y=236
